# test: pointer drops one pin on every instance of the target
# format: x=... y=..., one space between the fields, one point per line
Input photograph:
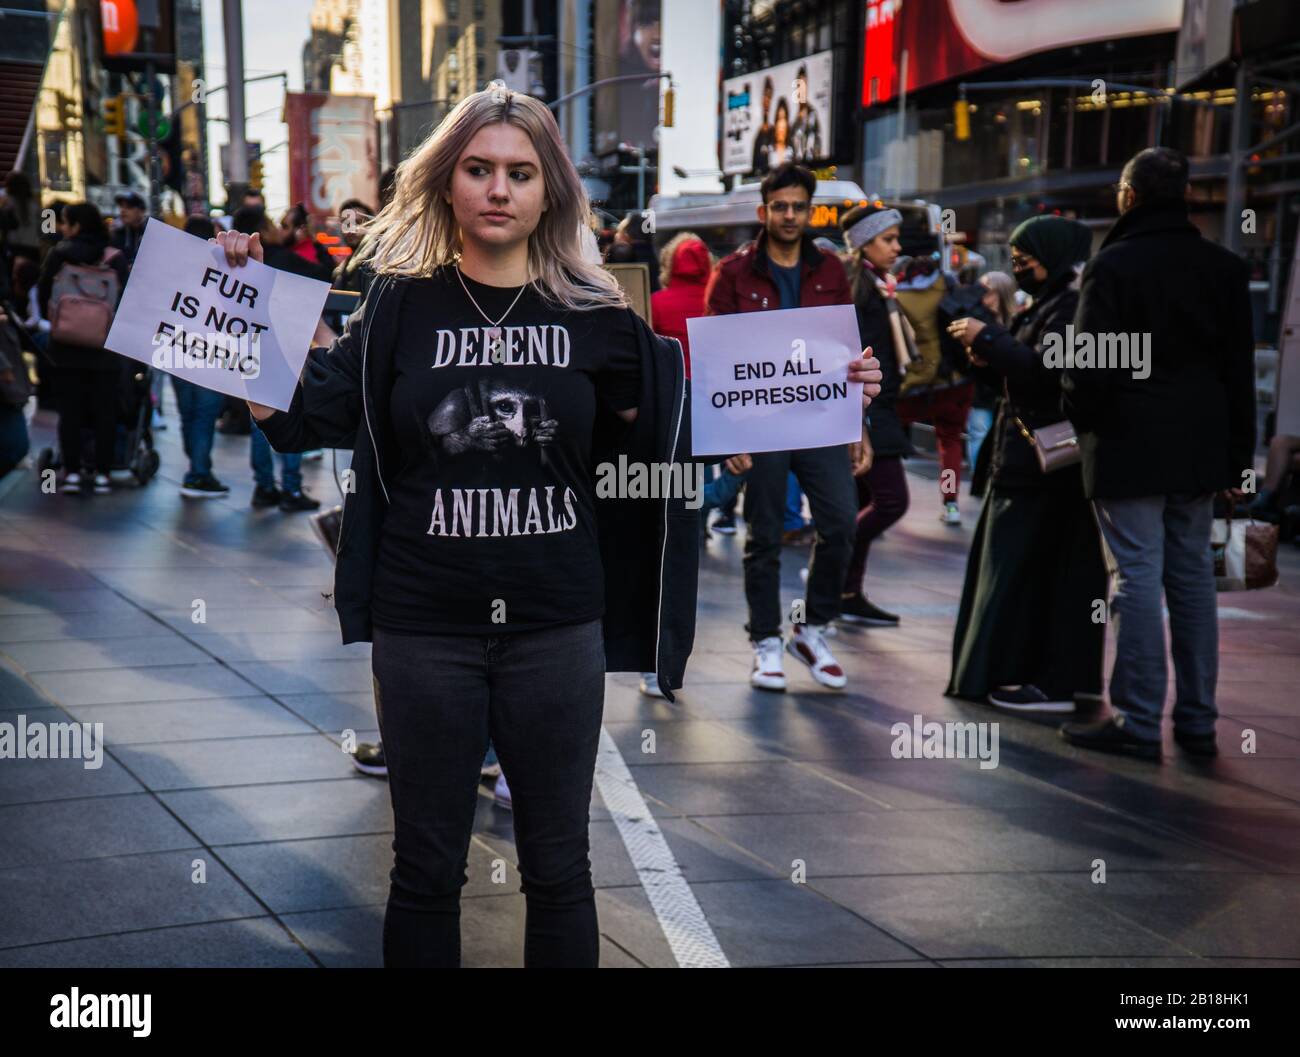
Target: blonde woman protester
x=488 y=373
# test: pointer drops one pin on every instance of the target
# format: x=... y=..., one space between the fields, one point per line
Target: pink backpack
x=83 y=301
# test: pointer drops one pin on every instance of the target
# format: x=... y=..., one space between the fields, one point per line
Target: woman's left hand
x=866 y=371
x=965 y=330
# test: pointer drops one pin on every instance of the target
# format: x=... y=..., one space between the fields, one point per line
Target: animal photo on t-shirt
x=492 y=418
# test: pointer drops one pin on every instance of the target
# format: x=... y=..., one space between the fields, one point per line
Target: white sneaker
x=808 y=644
x=830 y=630
x=102 y=484
x=768 y=672
x=72 y=483
x=950 y=514
x=650 y=685
x=502 y=791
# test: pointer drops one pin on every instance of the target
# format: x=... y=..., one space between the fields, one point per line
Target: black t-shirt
x=491 y=523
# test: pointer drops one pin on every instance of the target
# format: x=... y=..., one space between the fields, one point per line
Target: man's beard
x=780 y=239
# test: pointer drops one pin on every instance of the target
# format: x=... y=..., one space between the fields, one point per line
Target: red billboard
x=936 y=40
x=135 y=34
x=333 y=150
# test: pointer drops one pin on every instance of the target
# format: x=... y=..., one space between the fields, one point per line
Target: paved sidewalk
x=223 y=755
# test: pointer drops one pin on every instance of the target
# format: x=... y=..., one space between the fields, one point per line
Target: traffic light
x=69 y=117
x=255 y=174
x=115 y=116
x=669 y=101
x=961 y=119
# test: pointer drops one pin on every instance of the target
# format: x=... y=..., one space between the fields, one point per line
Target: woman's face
x=883 y=250
x=647 y=43
x=990 y=299
x=782 y=126
x=497 y=192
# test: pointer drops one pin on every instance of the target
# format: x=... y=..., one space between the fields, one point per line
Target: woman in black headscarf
x=1030 y=633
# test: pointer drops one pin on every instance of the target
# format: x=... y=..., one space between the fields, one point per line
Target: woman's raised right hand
x=239 y=247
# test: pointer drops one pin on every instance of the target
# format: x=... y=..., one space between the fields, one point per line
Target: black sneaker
x=1203 y=745
x=264 y=497
x=860 y=610
x=291 y=502
x=369 y=759
x=724 y=525
x=204 y=488
x=1027 y=698
x=1107 y=735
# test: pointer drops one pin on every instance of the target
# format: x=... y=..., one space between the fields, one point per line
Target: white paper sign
x=774 y=381
x=243 y=331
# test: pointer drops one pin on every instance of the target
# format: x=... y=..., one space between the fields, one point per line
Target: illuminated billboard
x=936 y=40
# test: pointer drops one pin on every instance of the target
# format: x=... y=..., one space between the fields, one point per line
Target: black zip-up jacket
x=1033 y=389
x=888 y=437
x=649 y=548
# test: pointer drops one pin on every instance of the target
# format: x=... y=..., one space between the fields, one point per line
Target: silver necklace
x=495 y=344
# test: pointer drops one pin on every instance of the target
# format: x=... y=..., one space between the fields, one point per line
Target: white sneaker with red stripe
x=768 y=672
x=808 y=644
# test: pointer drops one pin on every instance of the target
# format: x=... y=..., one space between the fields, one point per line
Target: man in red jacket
x=782 y=268
x=685 y=277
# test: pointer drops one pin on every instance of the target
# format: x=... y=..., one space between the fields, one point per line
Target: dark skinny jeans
x=882 y=500
x=539 y=696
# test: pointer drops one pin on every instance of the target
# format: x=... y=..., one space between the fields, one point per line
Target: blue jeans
x=538 y=696
x=199 y=409
x=793 y=505
x=1160 y=542
x=259 y=457
x=978 y=424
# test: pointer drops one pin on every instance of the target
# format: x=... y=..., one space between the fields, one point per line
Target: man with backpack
x=935 y=388
x=80 y=284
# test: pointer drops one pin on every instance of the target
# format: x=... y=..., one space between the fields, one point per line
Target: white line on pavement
x=684 y=925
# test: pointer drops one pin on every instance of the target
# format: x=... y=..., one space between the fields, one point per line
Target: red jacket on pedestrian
x=742 y=283
x=683 y=296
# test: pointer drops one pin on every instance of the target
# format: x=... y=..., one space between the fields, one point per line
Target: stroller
x=133 y=452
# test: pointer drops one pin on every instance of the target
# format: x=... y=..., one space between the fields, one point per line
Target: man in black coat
x=1160 y=386
x=133 y=212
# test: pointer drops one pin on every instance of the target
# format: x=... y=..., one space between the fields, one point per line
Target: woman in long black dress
x=1030 y=635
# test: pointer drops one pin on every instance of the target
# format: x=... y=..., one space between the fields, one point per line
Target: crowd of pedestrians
x=56 y=305
x=1084 y=471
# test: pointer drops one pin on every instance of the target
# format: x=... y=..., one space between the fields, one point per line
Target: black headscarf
x=1057 y=243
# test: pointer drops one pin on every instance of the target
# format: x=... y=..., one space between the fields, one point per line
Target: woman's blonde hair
x=1005 y=287
x=670 y=248
x=417 y=231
